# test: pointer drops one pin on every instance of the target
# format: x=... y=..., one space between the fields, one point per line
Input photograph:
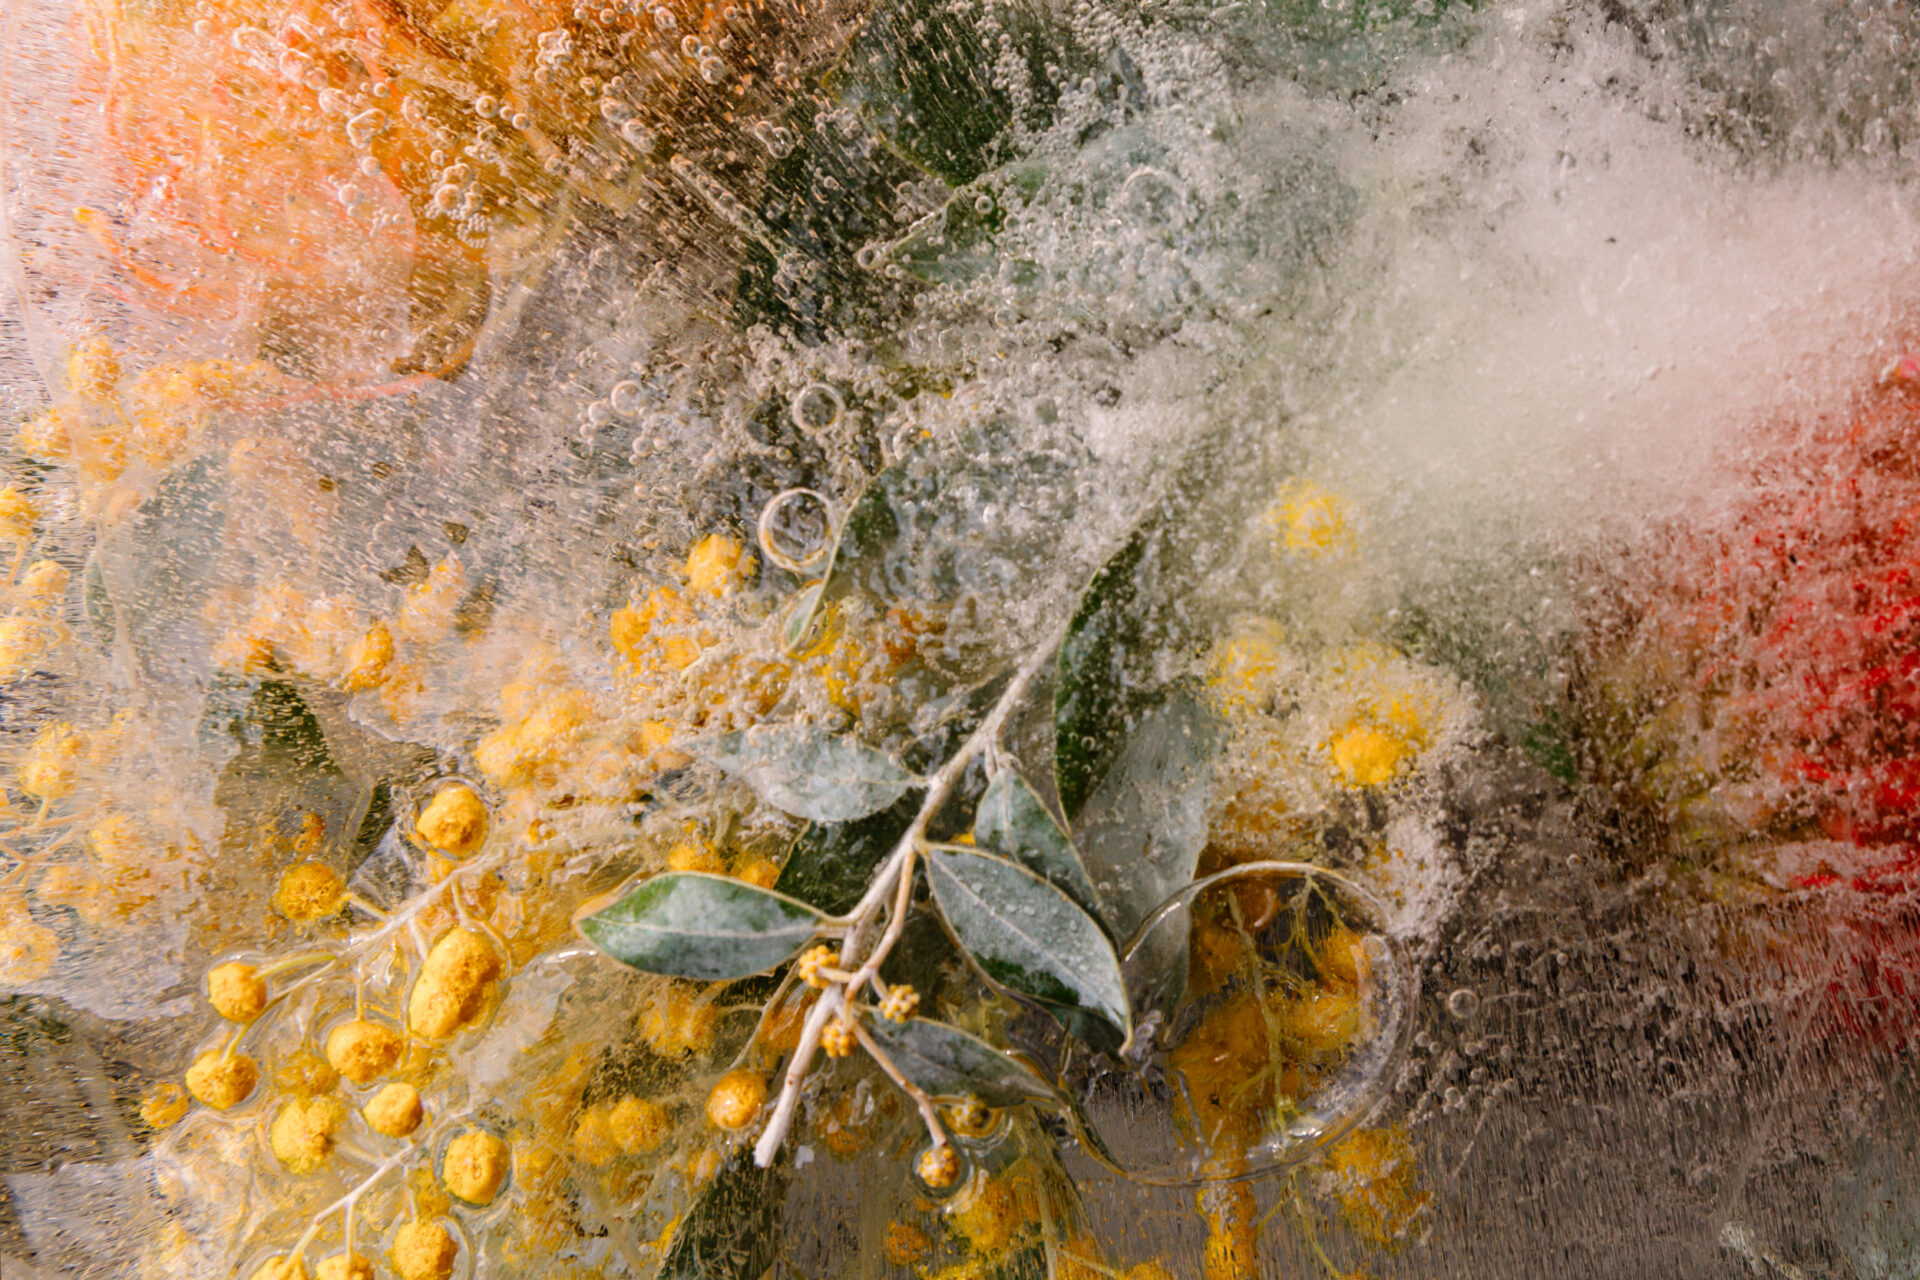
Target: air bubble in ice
x=796 y=530
x=365 y=127
x=637 y=136
x=625 y=398
x=1463 y=1003
x=816 y=407
x=599 y=412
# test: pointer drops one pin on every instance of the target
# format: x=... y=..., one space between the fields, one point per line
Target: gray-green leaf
x=691 y=925
x=808 y=772
x=1029 y=937
x=1013 y=821
x=946 y=1062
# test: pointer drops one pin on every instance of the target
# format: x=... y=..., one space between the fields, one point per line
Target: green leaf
x=1105 y=669
x=829 y=864
x=1016 y=823
x=730 y=1230
x=808 y=772
x=946 y=1062
x=798 y=628
x=1029 y=937
x=688 y=924
x=1144 y=826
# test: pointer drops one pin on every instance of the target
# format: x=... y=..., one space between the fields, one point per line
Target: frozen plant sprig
x=895 y=882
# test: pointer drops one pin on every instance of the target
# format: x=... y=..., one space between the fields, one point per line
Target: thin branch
x=928 y=1112
x=892 y=881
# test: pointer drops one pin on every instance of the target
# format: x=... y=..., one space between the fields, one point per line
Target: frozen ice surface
x=1537 y=317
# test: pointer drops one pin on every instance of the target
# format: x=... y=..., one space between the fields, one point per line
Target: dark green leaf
x=1027 y=936
x=946 y=1062
x=830 y=864
x=1104 y=672
x=808 y=772
x=691 y=925
x=1015 y=822
x=730 y=1230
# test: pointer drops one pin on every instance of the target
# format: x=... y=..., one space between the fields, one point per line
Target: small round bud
x=971 y=1117
x=344 y=1266
x=423 y=1251
x=638 y=1124
x=222 y=1080
x=901 y=1003
x=301 y=1135
x=236 y=991
x=939 y=1167
x=362 y=1051
x=811 y=964
x=456 y=984
x=454 y=821
x=310 y=891
x=906 y=1245
x=717 y=565
x=394 y=1111
x=475 y=1167
x=695 y=855
x=759 y=872
x=837 y=1039
x=736 y=1099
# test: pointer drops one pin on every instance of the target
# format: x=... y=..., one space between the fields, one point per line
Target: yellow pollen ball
x=48 y=771
x=1366 y=756
x=455 y=986
x=368 y=658
x=222 y=1081
x=423 y=1251
x=1309 y=520
x=638 y=1124
x=394 y=1111
x=592 y=1141
x=694 y=855
x=45 y=580
x=44 y=437
x=475 y=1167
x=310 y=891
x=344 y=1266
x=362 y=1051
x=939 y=1166
x=716 y=565
x=302 y=1133
x=454 y=821
x=236 y=991
x=736 y=1099
x=906 y=1244
x=759 y=872
x=18 y=515
x=93 y=372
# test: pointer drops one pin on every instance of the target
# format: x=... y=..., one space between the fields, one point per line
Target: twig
x=350 y=1199
x=928 y=1112
x=892 y=882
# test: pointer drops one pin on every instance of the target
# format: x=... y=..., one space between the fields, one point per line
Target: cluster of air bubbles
x=795 y=530
x=777 y=139
x=636 y=135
